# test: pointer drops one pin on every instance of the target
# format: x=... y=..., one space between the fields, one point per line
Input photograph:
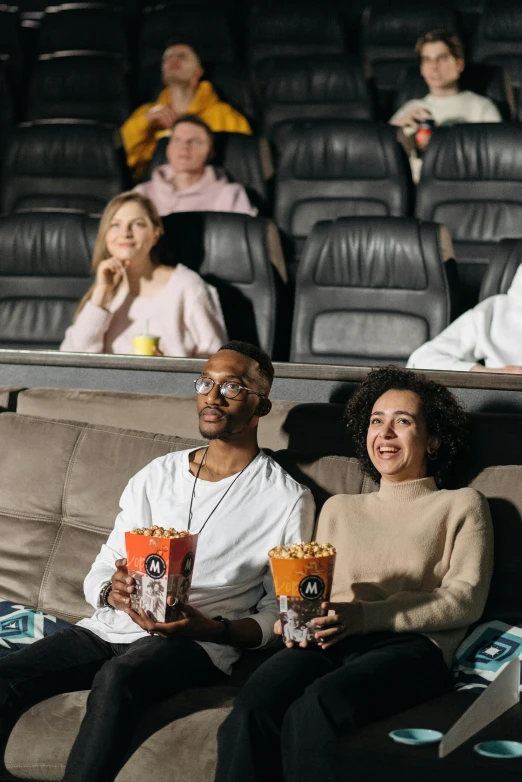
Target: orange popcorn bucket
x=162 y=568
x=301 y=585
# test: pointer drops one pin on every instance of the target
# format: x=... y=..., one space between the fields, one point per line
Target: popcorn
x=303 y=551
x=160 y=532
x=161 y=562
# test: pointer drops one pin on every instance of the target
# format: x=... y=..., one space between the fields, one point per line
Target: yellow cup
x=145 y=344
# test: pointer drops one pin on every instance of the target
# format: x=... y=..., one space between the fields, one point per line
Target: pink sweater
x=213 y=193
x=185 y=314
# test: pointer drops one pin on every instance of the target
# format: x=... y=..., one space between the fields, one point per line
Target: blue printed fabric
x=485 y=652
x=20 y=626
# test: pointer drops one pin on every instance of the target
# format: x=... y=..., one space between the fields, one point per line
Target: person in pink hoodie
x=137 y=290
x=187 y=183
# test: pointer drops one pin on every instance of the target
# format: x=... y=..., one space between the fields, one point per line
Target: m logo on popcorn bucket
x=155 y=566
x=187 y=564
x=311 y=588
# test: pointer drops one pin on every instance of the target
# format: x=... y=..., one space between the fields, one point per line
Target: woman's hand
x=346 y=620
x=108 y=276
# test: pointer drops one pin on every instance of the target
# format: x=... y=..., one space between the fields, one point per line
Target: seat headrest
x=403 y=23
x=213 y=243
x=86 y=77
x=290 y=22
x=375 y=252
x=45 y=244
x=320 y=79
x=502 y=22
x=475 y=152
x=338 y=150
x=63 y=149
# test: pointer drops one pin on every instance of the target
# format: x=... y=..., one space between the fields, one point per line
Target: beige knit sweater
x=418 y=558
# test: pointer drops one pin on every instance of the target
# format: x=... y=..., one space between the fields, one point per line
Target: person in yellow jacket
x=184 y=93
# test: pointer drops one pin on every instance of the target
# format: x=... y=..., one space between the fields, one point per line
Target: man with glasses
x=440 y=55
x=242 y=503
x=185 y=93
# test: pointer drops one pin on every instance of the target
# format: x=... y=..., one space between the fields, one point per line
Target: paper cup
x=161 y=567
x=144 y=344
x=301 y=585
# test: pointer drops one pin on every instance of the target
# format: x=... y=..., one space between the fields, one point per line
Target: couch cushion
x=178 y=737
x=147 y=412
x=20 y=626
x=60 y=485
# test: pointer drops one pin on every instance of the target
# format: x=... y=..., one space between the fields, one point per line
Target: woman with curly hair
x=414 y=562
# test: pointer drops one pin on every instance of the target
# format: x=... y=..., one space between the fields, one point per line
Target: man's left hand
x=346 y=620
x=191 y=624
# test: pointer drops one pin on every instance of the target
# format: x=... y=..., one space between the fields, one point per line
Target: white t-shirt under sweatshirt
x=491 y=331
x=464 y=106
x=266 y=507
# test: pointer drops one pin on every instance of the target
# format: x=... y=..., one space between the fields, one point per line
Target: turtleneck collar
x=406 y=491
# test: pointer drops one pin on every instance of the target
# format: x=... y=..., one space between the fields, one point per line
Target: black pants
x=300 y=699
x=121 y=677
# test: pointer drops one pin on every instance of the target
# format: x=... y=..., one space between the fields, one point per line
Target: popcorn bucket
x=302 y=582
x=162 y=567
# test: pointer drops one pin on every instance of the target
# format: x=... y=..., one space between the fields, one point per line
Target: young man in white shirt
x=242 y=503
x=441 y=60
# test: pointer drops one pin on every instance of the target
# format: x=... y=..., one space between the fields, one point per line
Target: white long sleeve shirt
x=266 y=507
x=186 y=315
x=490 y=332
x=464 y=106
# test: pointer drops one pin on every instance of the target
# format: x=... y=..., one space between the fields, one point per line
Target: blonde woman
x=135 y=288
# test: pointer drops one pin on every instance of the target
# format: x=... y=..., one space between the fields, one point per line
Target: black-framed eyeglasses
x=228 y=389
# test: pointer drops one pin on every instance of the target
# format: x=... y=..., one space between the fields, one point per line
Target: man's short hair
x=193 y=119
x=266 y=368
x=451 y=40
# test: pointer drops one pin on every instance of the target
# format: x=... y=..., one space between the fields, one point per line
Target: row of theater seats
x=93 y=86
x=471 y=180
x=369 y=290
x=270 y=29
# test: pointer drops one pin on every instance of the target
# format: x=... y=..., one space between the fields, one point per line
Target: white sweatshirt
x=185 y=314
x=491 y=331
x=266 y=507
x=465 y=106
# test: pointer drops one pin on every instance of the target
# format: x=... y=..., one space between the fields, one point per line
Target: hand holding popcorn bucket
x=303 y=575
x=161 y=562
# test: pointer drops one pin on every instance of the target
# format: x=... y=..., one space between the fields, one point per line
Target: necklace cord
x=220 y=499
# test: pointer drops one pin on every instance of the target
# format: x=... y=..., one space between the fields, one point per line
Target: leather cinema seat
x=389 y=32
x=502 y=268
x=206 y=28
x=289 y=29
x=237 y=254
x=82 y=27
x=6 y=107
x=331 y=169
x=471 y=182
x=82 y=86
x=11 y=54
x=498 y=38
x=370 y=290
x=63 y=164
x=486 y=79
x=45 y=260
x=319 y=87
x=246 y=159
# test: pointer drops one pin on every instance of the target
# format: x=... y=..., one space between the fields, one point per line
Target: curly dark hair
x=445 y=419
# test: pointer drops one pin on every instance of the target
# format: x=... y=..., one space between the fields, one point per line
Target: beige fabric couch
x=60 y=482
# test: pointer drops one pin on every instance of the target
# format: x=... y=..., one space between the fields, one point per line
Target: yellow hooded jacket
x=140 y=139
